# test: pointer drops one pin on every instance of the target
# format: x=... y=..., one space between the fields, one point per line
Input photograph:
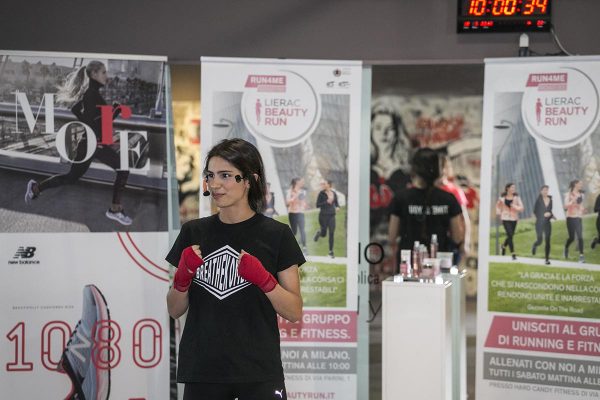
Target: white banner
x=305 y=119
x=539 y=268
x=83 y=141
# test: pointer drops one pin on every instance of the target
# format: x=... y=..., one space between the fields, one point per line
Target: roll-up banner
x=305 y=118
x=539 y=287
x=83 y=226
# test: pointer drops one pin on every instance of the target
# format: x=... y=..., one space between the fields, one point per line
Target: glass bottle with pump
x=433 y=246
x=416 y=265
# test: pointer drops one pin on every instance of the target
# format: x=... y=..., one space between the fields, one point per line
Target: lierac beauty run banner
x=539 y=272
x=83 y=226
x=304 y=117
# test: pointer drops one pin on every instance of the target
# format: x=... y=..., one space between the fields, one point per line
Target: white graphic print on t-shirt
x=219 y=274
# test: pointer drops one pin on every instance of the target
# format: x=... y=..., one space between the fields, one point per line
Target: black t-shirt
x=325 y=207
x=419 y=218
x=231 y=333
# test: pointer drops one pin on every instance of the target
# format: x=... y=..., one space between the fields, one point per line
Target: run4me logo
x=219 y=273
x=106 y=116
x=560 y=107
x=281 y=108
x=24 y=255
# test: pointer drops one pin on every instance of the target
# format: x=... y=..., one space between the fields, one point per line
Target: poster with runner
x=83 y=168
x=304 y=116
x=539 y=287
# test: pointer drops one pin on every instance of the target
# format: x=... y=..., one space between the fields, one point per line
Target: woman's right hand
x=189 y=262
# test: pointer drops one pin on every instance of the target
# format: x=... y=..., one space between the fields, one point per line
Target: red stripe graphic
x=135 y=261
x=143 y=255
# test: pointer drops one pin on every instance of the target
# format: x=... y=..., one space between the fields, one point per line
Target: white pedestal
x=459 y=334
x=416 y=340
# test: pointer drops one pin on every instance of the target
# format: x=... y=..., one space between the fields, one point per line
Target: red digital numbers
x=531 y=5
x=506 y=8
x=102 y=347
x=477 y=7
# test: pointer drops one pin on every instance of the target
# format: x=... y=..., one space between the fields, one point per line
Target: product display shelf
x=417 y=340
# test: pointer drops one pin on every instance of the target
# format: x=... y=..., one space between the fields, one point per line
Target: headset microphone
x=205 y=193
x=238 y=178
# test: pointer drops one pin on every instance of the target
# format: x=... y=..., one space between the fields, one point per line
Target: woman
x=327 y=202
x=446 y=183
x=269 y=202
x=295 y=200
x=83 y=88
x=574 y=209
x=597 y=210
x=236 y=271
x=543 y=214
x=508 y=207
x=424 y=209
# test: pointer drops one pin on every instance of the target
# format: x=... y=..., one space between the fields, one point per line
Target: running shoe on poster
x=89 y=381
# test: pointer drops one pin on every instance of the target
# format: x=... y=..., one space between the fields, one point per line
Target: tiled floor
x=375 y=348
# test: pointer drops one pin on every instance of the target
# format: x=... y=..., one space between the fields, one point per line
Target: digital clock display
x=503 y=15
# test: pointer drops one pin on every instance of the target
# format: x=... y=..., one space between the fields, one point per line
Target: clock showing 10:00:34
x=503 y=15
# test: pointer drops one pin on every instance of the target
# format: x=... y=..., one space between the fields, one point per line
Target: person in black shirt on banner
x=327 y=202
x=424 y=209
x=597 y=210
x=236 y=271
x=543 y=228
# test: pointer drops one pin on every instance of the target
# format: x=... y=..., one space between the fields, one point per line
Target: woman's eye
x=226 y=176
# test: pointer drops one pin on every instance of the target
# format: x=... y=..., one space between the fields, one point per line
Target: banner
x=539 y=287
x=83 y=213
x=305 y=119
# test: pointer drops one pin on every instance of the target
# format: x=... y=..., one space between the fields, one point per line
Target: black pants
x=327 y=222
x=231 y=391
x=598 y=226
x=575 y=228
x=297 y=223
x=543 y=228
x=509 y=227
x=105 y=154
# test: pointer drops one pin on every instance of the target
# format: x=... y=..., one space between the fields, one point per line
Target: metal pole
x=497 y=218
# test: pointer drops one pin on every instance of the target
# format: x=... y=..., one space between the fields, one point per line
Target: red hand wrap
x=188 y=264
x=252 y=270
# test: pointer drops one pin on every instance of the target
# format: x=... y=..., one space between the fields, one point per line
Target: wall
x=374 y=30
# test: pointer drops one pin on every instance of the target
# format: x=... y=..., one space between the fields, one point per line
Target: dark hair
x=244 y=156
x=544 y=187
x=399 y=129
x=426 y=165
x=509 y=184
x=294 y=181
x=573 y=183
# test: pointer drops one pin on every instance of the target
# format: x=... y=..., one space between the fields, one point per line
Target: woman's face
x=579 y=185
x=511 y=189
x=225 y=190
x=99 y=75
x=383 y=132
x=544 y=191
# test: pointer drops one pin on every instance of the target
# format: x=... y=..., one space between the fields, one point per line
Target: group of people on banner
x=509 y=206
x=296 y=202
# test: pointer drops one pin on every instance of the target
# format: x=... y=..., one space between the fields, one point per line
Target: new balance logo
x=24 y=252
